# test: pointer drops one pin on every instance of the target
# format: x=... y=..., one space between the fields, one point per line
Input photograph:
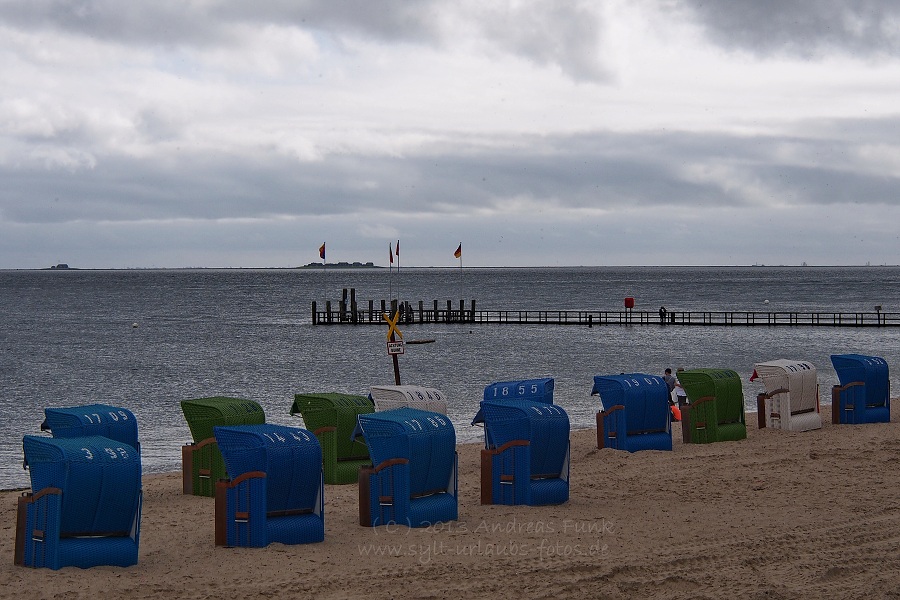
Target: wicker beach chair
x=526 y=455
x=86 y=507
x=332 y=418
x=112 y=422
x=389 y=397
x=276 y=492
x=635 y=415
x=791 y=399
x=538 y=390
x=201 y=461
x=864 y=393
x=716 y=412
x=413 y=480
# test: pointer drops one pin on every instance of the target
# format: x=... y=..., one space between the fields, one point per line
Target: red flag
x=458 y=252
x=754 y=376
x=398 y=247
x=322 y=251
x=390 y=254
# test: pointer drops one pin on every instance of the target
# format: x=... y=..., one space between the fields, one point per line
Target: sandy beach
x=778 y=515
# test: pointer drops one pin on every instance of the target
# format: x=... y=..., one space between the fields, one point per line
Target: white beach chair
x=791 y=399
x=388 y=397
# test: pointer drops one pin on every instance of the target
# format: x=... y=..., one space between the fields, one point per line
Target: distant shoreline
x=372 y=266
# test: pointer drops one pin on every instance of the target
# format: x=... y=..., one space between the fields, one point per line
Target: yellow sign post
x=394 y=346
x=392 y=325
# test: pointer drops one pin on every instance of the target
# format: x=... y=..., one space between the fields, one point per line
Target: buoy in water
x=765 y=301
x=134 y=325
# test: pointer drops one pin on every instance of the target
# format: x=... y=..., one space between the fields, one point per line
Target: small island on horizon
x=341 y=265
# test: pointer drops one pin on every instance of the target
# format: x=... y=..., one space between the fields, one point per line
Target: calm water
x=67 y=337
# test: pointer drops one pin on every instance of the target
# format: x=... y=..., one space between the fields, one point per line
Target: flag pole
x=398 y=274
x=458 y=254
x=390 y=272
x=324 y=273
x=460 y=273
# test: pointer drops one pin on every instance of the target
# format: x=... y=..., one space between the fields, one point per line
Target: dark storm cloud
x=805 y=28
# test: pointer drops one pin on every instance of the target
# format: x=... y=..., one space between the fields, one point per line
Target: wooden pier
x=346 y=313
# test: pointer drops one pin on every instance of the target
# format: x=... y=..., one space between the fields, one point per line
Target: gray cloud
x=804 y=28
x=577 y=171
x=135 y=155
x=564 y=35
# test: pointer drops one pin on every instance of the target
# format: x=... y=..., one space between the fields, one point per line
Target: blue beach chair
x=86 y=507
x=413 y=478
x=112 y=422
x=635 y=413
x=864 y=393
x=526 y=455
x=538 y=390
x=276 y=492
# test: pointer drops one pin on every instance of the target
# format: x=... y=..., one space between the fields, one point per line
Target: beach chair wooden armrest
x=691 y=423
x=26 y=503
x=188 y=454
x=226 y=515
x=601 y=427
x=836 y=407
x=703 y=400
x=508 y=445
x=515 y=474
x=386 y=464
x=244 y=477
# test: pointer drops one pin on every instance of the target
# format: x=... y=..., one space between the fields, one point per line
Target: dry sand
x=778 y=515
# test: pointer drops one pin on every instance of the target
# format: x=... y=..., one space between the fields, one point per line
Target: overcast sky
x=226 y=133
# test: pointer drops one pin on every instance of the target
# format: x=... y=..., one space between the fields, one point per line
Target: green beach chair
x=716 y=409
x=332 y=418
x=201 y=461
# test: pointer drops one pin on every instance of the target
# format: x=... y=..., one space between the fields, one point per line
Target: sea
x=147 y=339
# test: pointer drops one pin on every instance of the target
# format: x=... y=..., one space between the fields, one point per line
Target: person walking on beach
x=680 y=394
x=670 y=381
